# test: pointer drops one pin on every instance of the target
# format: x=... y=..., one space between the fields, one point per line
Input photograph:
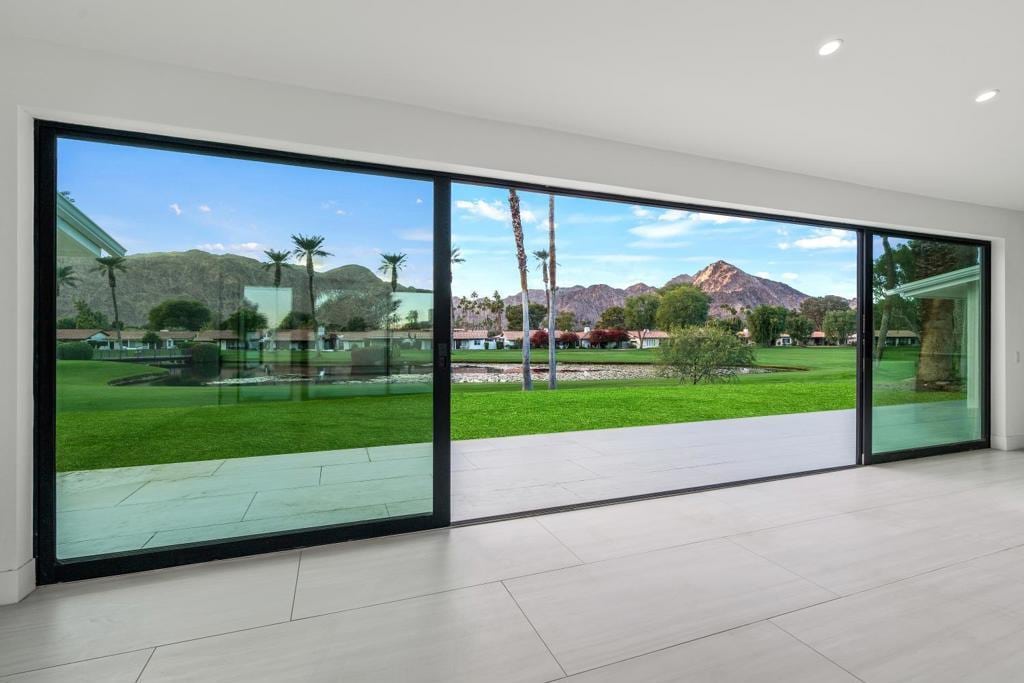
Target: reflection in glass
x=927 y=347
x=231 y=359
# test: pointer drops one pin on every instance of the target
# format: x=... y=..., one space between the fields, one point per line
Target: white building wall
x=48 y=81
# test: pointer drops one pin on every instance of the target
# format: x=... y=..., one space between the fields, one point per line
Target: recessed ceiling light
x=831 y=47
x=986 y=96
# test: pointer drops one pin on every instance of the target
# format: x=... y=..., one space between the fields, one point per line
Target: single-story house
x=172 y=339
x=101 y=339
x=290 y=340
x=817 y=339
x=900 y=338
x=474 y=340
x=784 y=340
x=78 y=235
x=652 y=338
x=225 y=339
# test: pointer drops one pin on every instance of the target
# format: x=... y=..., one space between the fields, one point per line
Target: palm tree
x=66 y=277
x=517 y=232
x=456 y=257
x=542 y=258
x=307 y=248
x=108 y=266
x=552 y=332
x=392 y=263
x=277 y=261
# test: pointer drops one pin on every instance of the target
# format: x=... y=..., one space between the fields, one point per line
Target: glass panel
x=692 y=349
x=927 y=384
x=244 y=348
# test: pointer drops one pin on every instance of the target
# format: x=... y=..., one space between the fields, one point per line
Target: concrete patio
x=112 y=510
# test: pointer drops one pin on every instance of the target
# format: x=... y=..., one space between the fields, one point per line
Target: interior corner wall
x=58 y=83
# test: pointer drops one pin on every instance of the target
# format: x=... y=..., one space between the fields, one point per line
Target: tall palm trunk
x=517 y=231
x=113 y=298
x=552 y=313
x=312 y=302
x=890 y=283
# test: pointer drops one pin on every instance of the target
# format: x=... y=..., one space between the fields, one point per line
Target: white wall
x=40 y=80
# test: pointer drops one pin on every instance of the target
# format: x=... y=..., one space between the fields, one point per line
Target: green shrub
x=703 y=354
x=370 y=359
x=74 y=351
x=205 y=354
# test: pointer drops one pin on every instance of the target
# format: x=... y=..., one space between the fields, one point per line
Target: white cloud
x=657 y=244
x=641 y=212
x=718 y=218
x=419 y=200
x=610 y=258
x=789 y=277
x=495 y=211
x=669 y=229
x=176 y=208
x=250 y=249
x=824 y=238
x=671 y=215
x=764 y=274
x=341 y=212
x=417 y=235
x=204 y=208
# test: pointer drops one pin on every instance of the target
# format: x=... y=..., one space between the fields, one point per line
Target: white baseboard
x=15 y=584
x=1013 y=442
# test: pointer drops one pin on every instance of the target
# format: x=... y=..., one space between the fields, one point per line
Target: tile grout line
x=77 y=661
x=814 y=649
x=783 y=567
x=536 y=632
x=141 y=486
x=295 y=589
x=249 y=506
x=562 y=543
x=148 y=660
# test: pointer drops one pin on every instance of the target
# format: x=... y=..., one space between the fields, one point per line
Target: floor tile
x=476 y=504
x=379 y=570
x=95 y=497
x=612 y=531
x=125 y=520
x=519 y=476
x=855 y=551
x=88 y=479
x=205 y=487
x=760 y=652
x=100 y=546
x=267 y=526
x=114 y=669
x=475 y=634
x=597 y=614
x=956 y=624
x=263 y=463
x=386 y=469
x=400 y=451
x=324 y=498
x=70 y=622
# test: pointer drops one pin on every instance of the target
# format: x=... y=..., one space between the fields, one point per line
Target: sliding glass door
x=928 y=367
x=244 y=348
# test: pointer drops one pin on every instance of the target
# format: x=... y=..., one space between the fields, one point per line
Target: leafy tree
x=733 y=324
x=524 y=294
x=76 y=350
x=766 y=323
x=641 y=312
x=296 y=320
x=87 y=318
x=356 y=324
x=392 y=264
x=496 y=306
x=703 y=354
x=66 y=323
x=205 y=354
x=539 y=338
x=109 y=266
x=276 y=260
x=602 y=338
x=454 y=259
x=308 y=247
x=612 y=317
x=66 y=277
x=814 y=308
x=179 y=314
x=246 y=319
x=799 y=328
x=681 y=306
x=514 y=316
x=568 y=338
x=839 y=325
x=565 y=320
x=151 y=338
x=552 y=298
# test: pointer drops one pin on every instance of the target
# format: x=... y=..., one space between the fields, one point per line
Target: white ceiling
x=732 y=79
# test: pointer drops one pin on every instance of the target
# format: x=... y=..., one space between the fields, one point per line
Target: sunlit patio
x=111 y=510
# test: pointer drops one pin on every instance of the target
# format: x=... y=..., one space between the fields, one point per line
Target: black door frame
x=49 y=569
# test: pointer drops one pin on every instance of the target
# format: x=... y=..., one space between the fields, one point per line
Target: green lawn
x=100 y=425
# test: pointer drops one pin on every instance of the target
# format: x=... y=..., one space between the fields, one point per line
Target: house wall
x=48 y=81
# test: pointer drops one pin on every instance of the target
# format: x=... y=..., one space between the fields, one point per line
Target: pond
x=282 y=373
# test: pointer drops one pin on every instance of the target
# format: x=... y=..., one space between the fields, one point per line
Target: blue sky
x=152 y=200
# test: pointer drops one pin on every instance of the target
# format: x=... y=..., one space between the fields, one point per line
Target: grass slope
x=101 y=425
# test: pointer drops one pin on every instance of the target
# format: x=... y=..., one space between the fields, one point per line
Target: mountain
x=728 y=287
x=219 y=282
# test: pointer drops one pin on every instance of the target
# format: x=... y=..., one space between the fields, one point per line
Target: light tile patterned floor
x=145 y=507
x=912 y=571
